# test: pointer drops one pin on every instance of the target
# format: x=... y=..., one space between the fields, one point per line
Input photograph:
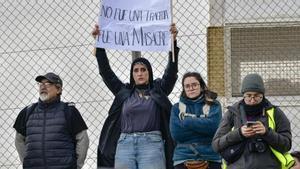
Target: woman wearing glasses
x=261 y=128
x=194 y=121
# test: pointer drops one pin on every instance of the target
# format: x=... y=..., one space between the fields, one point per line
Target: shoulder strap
x=206 y=109
x=182 y=110
x=183 y=113
x=233 y=116
x=243 y=114
x=182 y=107
x=68 y=117
x=29 y=110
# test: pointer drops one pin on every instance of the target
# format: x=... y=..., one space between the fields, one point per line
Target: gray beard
x=44 y=97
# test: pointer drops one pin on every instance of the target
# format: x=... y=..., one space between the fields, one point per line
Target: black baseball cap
x=51 y=77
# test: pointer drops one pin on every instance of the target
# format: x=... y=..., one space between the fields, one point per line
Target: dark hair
x=145 y=62
x=198 y=78
x=209 y=95
x=296 y=154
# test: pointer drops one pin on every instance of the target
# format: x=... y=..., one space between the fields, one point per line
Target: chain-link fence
x=222 y=40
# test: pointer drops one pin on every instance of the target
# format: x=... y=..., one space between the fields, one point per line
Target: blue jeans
x=144 y=150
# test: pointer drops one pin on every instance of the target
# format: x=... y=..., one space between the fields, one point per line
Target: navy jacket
x=49 y=143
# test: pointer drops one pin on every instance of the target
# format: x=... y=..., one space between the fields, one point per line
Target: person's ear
x=59 y=90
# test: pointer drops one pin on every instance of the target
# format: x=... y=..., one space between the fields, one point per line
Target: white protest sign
x=135 y=25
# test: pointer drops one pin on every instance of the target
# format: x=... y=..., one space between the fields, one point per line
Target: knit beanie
x=253 y=83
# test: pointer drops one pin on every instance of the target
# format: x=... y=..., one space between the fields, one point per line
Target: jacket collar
x=192 y=101
x=54 y=103
x=235 y=107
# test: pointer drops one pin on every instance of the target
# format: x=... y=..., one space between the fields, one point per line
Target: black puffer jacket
x=48 y=142
x=161 y=88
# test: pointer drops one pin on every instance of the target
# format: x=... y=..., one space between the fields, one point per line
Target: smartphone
x=250 y=123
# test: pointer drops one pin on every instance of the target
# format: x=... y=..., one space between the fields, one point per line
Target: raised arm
x=109 y=77
x=169 y=77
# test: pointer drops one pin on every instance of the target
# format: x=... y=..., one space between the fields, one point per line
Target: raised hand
x=174 y=30
x=96 y=31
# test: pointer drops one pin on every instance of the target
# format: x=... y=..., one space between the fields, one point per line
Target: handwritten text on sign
x=134 y=25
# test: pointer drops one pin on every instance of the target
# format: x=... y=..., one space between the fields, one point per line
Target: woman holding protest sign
x=136 y=133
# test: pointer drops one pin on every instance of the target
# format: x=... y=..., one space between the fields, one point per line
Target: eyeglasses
x=191 y=86
x=46 y=84
x=256 y=97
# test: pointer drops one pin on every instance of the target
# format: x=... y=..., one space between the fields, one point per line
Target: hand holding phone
x=250 y=123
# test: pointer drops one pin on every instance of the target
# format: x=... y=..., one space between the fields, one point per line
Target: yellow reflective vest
x=286 y=160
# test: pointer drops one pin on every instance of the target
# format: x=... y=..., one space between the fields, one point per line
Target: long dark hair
x=209 y=95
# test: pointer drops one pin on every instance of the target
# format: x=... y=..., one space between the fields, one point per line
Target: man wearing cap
x=263 y=127
x=50 y=133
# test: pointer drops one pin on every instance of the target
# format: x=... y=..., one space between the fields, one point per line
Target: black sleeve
x=20 y=123
x=170 y=76
x=77 y=121
x=109 y=77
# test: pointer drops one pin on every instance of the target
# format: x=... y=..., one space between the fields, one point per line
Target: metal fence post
x=135 y=54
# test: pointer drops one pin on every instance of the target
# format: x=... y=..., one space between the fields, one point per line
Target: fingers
x=174 y=30
x=247 y=131
x=259 y=128
x=96 y=31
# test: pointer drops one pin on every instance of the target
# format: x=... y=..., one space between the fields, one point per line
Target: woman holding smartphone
x=262 y=127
